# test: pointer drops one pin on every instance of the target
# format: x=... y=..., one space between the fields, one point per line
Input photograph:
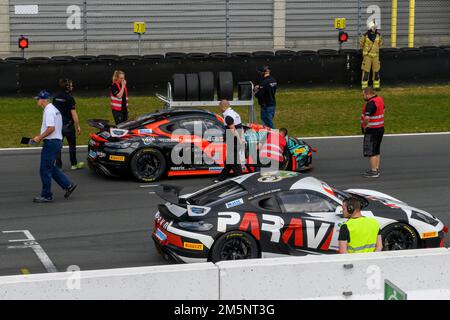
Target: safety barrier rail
x=422 y=274
x=150 y=73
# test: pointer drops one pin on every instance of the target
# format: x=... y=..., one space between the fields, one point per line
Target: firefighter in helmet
x=370 y=43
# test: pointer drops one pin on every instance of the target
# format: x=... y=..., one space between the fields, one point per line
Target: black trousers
x=120 y=116
x=232 y=151
x=68 y=132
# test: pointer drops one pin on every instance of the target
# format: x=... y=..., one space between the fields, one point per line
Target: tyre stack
x=202 y=86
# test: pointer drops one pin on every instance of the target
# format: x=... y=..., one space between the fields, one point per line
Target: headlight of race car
x=118 y=145
x=195 y=225
x=424 y=218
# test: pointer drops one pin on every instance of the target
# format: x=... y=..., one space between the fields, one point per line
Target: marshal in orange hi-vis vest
x=116 y=103
x=273 y=147
x=377 y=120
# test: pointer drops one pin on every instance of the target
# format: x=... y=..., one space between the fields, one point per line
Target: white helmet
x=372 y=24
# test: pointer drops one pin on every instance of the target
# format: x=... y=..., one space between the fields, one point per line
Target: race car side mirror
x=339 y=210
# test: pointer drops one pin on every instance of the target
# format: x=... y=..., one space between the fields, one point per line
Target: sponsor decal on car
x=299 y=151
x=276 y=176
x=177 y=168
x=145 y=131
x=234 y=203
x=148 y=140
x=302 y=233
x=427 y=235
x=92 y=154
x=160 y=235
x=193 y=246
x=117 y=158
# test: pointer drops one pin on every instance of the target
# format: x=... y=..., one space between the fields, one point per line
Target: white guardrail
x=422 y=274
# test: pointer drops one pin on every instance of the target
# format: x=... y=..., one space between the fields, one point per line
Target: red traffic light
x=23 y=42
x=343 y=36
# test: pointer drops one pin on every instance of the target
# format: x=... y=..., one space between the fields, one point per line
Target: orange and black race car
x=169 y=143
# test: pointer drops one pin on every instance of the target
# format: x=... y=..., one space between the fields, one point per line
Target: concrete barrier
x=422 y=274
x=178 y=282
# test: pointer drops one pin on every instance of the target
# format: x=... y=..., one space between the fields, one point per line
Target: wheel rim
x=148 y=165
x=398 y=240
x=236 y=249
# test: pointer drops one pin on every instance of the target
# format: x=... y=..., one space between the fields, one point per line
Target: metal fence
x=94 y=27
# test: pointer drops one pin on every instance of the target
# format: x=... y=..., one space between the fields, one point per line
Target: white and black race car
x=278 y=213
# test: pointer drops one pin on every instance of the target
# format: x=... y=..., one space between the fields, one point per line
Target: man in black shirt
x=65 y=103
x=265 y=93
x=372 y=126
x=233 y=138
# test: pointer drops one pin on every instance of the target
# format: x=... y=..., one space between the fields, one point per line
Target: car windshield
x=217 y=192
x=342 y=195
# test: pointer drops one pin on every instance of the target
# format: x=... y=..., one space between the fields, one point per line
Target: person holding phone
x=119 y=97
x=51 y=135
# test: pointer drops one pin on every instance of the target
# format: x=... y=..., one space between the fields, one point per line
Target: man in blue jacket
x=265 y=93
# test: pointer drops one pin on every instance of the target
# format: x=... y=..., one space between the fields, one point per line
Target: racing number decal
x=250 y=219
x=309 y=234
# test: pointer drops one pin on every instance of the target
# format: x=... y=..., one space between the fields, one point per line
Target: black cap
x=263 y=69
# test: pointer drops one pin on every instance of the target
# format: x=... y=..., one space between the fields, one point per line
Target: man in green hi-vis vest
x=358 y=234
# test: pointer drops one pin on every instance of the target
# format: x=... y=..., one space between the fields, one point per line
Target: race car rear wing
x=171 y=194
x=99 y=124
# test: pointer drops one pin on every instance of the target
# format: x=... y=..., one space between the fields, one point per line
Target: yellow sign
x=117 y=158
x=193 y=246
x=140 y=27
x=427 y=235
x=340 y=23
x=298 y=151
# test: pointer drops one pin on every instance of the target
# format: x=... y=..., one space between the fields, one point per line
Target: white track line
x=30 y=242
x=306 y=138
x=35 y=148
x=386 y=135
x=149 y=186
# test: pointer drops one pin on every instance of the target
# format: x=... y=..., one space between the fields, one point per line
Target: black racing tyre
x=399 y=236
x=15 y=60
x=148 y=165
x=179 y=87
x=62 y=59
x=263 y=54
x=225 y=85
x=234 y=245
x=192 y=87
x=245 y=90
x=287 y=162
x=38 y=60
x=175 y=55
x=206 y=82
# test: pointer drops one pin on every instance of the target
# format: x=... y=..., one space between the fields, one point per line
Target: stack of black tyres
x=200 y=86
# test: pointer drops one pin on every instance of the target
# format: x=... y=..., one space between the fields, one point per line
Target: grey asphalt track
x=107 y=222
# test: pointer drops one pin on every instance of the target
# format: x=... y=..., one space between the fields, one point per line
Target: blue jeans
x=267 y=115
x=48 y=169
